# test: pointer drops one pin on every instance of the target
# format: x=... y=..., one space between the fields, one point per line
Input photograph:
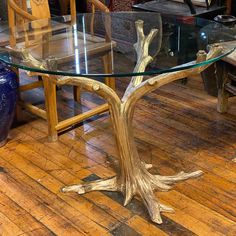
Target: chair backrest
x=40 y=9
x=18 y=11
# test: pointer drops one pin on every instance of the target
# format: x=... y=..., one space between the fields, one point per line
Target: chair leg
x=77 y=93
x=51 y=107
x=107 y=63
x=222 y=79
x=222 y=104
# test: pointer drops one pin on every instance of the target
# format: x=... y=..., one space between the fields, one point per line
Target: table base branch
x=178 y=177
x=101 y=184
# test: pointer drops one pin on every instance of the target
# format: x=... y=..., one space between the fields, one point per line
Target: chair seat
x=61 y=47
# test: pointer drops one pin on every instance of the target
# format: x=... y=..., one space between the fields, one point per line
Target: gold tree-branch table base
x=133 y=177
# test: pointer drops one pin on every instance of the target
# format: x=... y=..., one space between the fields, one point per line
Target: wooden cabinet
x=58 y=7
x=233 y=8
x=3 y=10
x=229 y=6
x=61 y=7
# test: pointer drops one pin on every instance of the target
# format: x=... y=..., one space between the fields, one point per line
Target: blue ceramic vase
x=8 y=99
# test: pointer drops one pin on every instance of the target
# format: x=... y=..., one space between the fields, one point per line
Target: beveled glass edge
x=67 y=18
x=145 y=73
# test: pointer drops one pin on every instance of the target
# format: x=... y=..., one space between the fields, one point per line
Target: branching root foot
x=179 y=177
x=103 y=184
x=142 y=185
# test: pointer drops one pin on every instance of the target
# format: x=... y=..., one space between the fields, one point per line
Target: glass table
x=150 y=48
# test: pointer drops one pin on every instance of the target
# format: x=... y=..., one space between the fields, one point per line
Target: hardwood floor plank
x=67 y=145
x=7 y=227
x=144 y=228
x=191 y=223
x=185 y=130
x=106 y=203
x=218 y=222
x=55 y=156
x=169 y=226
x=49 y=179
x=57 y=203
x=40 y=211
x=198 y=157
x=192 y=122
x=21 y=218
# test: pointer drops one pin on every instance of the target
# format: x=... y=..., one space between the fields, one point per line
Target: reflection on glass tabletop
x=58 y=46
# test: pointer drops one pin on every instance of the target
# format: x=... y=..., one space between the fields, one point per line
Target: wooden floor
x=176 y=128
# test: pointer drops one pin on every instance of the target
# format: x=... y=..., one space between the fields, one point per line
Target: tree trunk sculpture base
x=133 y=177
x=153 y=182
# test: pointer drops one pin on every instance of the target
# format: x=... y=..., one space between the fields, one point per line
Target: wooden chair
x=18 y=14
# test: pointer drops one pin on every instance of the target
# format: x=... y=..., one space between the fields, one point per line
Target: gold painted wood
x=141 y=48
x=133 y=178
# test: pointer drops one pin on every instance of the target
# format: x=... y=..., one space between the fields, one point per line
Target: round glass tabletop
x=105 y=44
